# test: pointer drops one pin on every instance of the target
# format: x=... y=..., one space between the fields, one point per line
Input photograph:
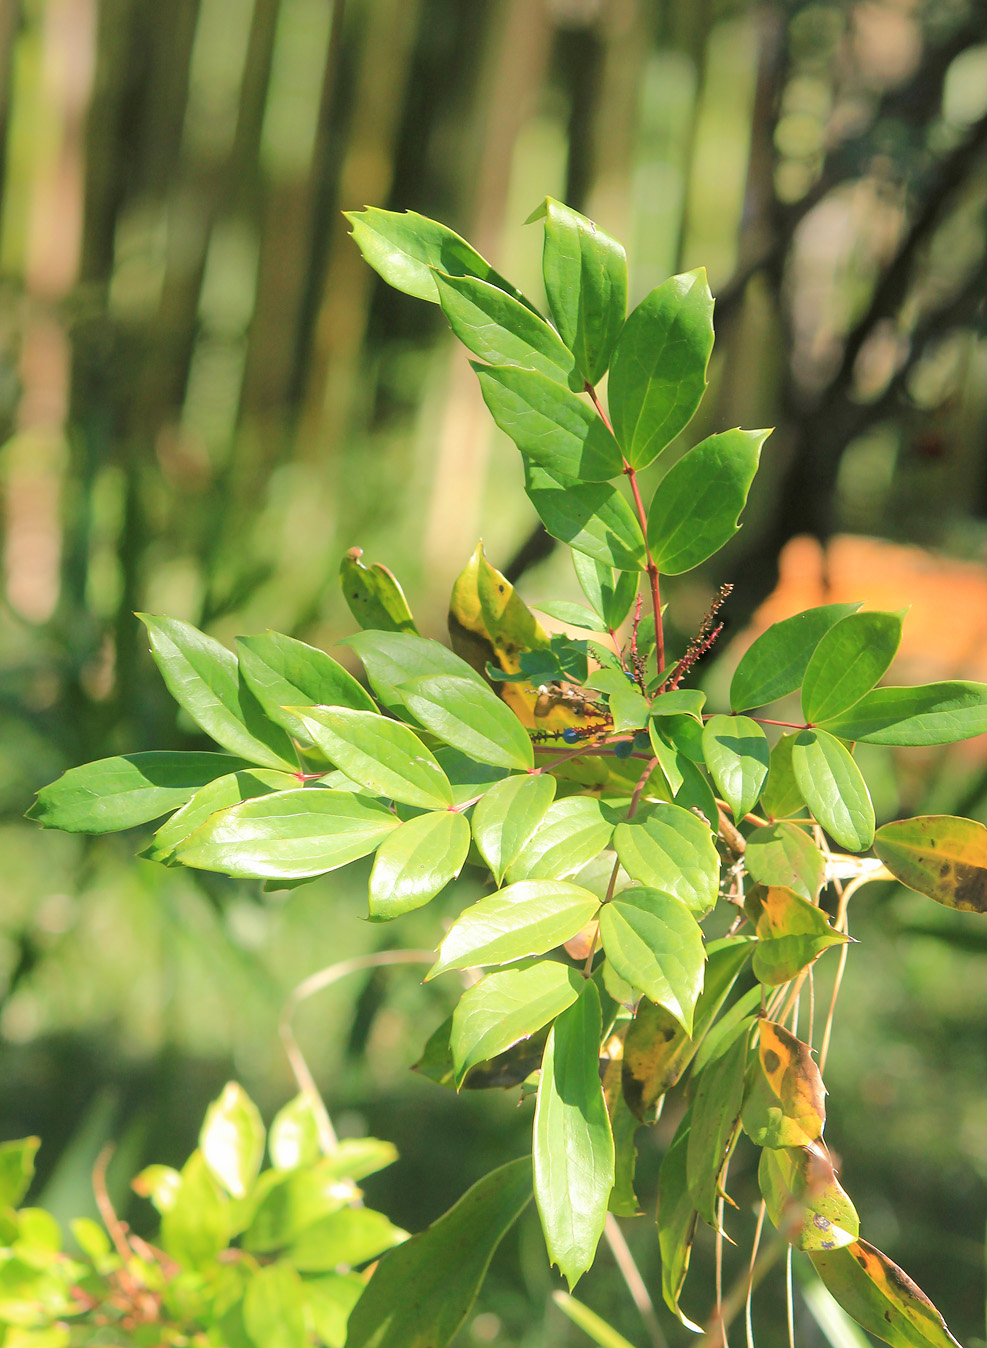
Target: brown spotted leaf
x=942 y=857
x=787 y=1103
x=881 y=1297
x=791 y=933
x=804 y=1199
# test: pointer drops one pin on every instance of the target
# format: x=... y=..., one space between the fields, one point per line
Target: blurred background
x=206 y=397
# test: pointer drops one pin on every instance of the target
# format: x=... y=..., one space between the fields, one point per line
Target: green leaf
x=695 y=793
x=628 y=708
x=791 y=931
x=272 y=1308
x=404 y=248
x=506 y=1007
x=780 y=794
x=696 y=507
x=598 y=1330
x=528 y=918
x=391 y=658
x=294 y=1137
x=507 y=817
x=468 y=778
x=610 y=593
x=550 y=425
x=881 y=1297
x=288 y=835
x=500 y=329
x=196 y=1224
x=328 y=1301
x=375 y=599
x=16 y=1169
x=417 y=861
x=775 y=662
x=591 y=517
x=715 y=1116
x=585 y=273
x=669 y=759
x=737 y=755
x=202 y=677
x=422 y=1292
x=847 y=663
x=933 y=713
x=573 y=1156
x=571 y=833
x=384 y=756
x=623 y=1123
x=574 y=615
x=940 y=856
x=293 y=1201
x=784 y=854
x=804 y=1199
x=218 y=795
x=834 y=790
x=671 y=850
x=122 y=792
x=655 y=943
x=469 y=717
x=678 y=702
x=677 y=1219
x=658 y=368
x=282 y=672
x=350 y=1236
x=786 y=1106
x=232 y=1140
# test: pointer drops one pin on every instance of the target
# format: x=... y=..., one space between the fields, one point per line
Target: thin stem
x=642 y=515
x=790 y=1298
x=841 y=924
x=750 y=1274
x=635 y=1283
x=719 y=1272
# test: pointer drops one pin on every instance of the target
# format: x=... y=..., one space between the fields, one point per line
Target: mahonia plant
x=658 y=868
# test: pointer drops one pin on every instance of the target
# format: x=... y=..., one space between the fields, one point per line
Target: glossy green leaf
x=573 y=615
x=550 y=425
x=775 y=662
x=572 y=832
x=737 y=755
x=697 y=504
x=416 y=861
x=500 y=329
x=507 y=817
x=16 y=1169
x=804 y=1199
x=834 y=790
x=677 y=1218
x=847 y=663
x=585 y=273
x=655 y=943
x=784 y=854
x=404 y=247
x=122 y=792
x=683 y=731
x=506 y=1007
x=610 y=593
x=881 y=1297
x=282 y=672
x=528 y=918
x=786 y=1106
x=353 y=1235
x=656 y=1048
x=791 y=931
x=232 y=1140
x=933 y=713
x=218 y=795
x=422 y=1292
x=382 y=755
x=658 y=367
x=598 y=1329
x=780 y=795
x=715 y=1118
x=469 y=717
x=672 y=850
x=288 y=835
x=272 y=1308
x=375 y=599
x=294 y=1137
x=202 y=677
x=573 y=1156
x=591 y=517
x=392 y=658
x=940 y=856
x=669 y=759
x=678 y=702
x=629 y=708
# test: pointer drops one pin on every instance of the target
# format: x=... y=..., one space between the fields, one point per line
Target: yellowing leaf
x=881 y=1297
x=787 y=1105
x=942 y=857
x=791 y=933
x=804 y=1199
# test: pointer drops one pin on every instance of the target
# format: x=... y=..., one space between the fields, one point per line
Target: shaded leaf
x=422 y=1292
x=715 y=1118
x=775 y=662
x=571 y=833
x=695 y=793
x=232 y=1140
x=804 y=1199
x=671 y=850
x=784 y=854
x=623 y=1125
x=416 y=861
x=467 y=777
x=658 y=367
x=933 y=713
x=780 y=795
x=697 y=504
x=470 y=718
x=677 y=1218
x=573 y=1156
x=500 y=329
x=940 y=856
x=881 y=1297
x=791 y=933
x=591 y=517
x=506 y=1007
x=848 y=661
x=832 y=786
x=507 y=816
x=655 y=943
x=610 y=593
x=786 y=1106
x=737 y=755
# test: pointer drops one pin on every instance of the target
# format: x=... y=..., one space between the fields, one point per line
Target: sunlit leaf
x=573 y=1157
x=658 y=367
x=272 y=1308
x=507 y=816
x=671 y=850
x=196 y=1223
x=416 y=861
x=791 y=933
x=282 y=673
x=353 y=1235
x=16 y=1169
x=382 y=755
x=508 y=1006
x=591 y=517
x=881 y=1297
x=775 y=662
x=677 y=1218
x=328 y=1301
x=784 y=854
x=598 y=1329
x=500 y=329
x=610 y=593
x=218 y=795
x=848 y=661
x=787 y=1103
x=737 y=755
x=422 y=1292
x=804 y=1199
x=655 y=943
x=294 y=1137
x=391 y=658
x=470 y=718
x=375 y=599
x=833 y=788
x=715 y=1118
x=572 y=832
x=933 y=713
x=943 y=857
x=232 y=1140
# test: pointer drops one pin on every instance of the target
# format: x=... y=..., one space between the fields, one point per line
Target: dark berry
x=570 y=735
x=623 y=749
